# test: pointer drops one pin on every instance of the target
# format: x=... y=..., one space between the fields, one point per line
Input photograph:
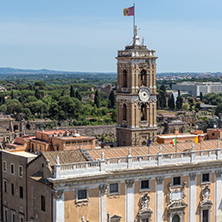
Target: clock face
x=144 y=94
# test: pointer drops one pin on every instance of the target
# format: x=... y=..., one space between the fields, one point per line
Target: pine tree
x=178 y=92
x=201 y=96
x=97 y=99
x=78 y=95
x=172 y=102
x=112 y=99
x=12 y=94
x=179 y=102
x=72 y=92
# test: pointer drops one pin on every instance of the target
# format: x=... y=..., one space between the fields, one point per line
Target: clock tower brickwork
x=136 y=95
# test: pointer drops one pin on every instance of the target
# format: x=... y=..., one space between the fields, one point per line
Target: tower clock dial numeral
x=144 y=94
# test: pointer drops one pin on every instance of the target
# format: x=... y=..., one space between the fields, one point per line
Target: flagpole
x=134 y=22
x=176 y=144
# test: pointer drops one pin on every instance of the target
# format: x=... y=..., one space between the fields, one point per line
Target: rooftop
x=153 y=149
x=65 y=157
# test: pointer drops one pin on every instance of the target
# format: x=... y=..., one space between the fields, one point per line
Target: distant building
x=53 y=140
x=195 y=88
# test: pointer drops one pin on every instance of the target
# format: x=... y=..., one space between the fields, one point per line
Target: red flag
x=128 y=11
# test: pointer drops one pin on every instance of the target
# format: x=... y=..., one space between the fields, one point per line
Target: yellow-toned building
x=127 y=184
x=52 y=140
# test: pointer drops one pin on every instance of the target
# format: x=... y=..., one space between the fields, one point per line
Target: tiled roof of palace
x=68 y=156
x=153 y=149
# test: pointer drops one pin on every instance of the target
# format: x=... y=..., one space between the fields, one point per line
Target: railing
x=132 y=162
x=143 y=123
x=149 y=53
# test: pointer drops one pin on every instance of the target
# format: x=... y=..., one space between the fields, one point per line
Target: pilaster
x=192 y=196
x=58 y=206
x=129 y=192
x=102 y=202
x=159 y=199
x=218 y=195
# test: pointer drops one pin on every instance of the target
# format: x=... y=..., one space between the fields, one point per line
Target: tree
x=163 y=88
x=14 y=106
x=39 y=94
x=54 y=109
x=12 y=94
x=3 y=108
x=78 y=95
x=27 y=113
x=218 y=109
x=201 y=96
x=97 y=99
x=72 y=92
x=197 y=107
x=178 y=92
x=41 y=84
x=179 y=102
x=171 y=103
x=112 y=99
x=162 y=99
x=191 y=103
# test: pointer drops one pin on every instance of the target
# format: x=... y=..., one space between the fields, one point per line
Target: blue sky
x=85 y=35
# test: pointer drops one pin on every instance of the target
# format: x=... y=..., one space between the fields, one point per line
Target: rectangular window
x=5 y=166
x=205 y=215
x=82 y=194
x=43 y=203
x=176 y=181
x=40 y=147
x=20 y=170
x=68 y=143
x=113 y=188
x=12 y=189
x=145 y=220
x=205 y=177
x=144 y=184
x=12 y=168
x=21 y=192
x=5 y=186
x=85 y=142
x=5 y=215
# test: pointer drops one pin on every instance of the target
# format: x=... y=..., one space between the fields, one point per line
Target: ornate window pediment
x=206 y=202
x=113 y=218
x=176 y=203
x=176 y=197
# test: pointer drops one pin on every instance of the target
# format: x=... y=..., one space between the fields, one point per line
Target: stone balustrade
x=135 y=53
x=132 y=162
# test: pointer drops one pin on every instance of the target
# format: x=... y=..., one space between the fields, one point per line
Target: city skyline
x=85 y=36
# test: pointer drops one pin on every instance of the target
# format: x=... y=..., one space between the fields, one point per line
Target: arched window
x=143 y=112
x=124 y=112
x=143 y=78
x=176 y=218
x=124 y=78
x=144 y=143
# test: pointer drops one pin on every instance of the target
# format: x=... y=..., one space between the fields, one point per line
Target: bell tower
x=136 y=94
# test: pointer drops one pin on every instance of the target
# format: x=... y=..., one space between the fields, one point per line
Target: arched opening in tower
x=124 y=78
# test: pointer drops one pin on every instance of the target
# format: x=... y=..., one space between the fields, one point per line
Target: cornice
x=153 y=170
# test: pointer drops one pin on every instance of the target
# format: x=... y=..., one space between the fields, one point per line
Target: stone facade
x=136 y=95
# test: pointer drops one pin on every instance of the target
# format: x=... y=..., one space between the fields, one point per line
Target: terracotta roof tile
x=67 y=156
x=153 y=149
